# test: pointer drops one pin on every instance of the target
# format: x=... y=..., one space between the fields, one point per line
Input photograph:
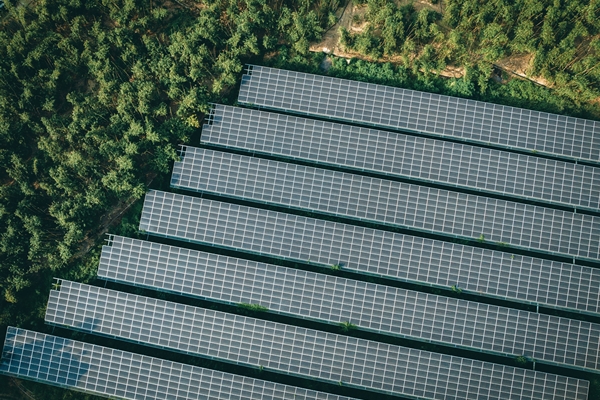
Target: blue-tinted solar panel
x=397 y=155
x=379 y=308
x=370 y=251
x=390 y=203
x=298 y=351
x=112 y=373
x=429 y=113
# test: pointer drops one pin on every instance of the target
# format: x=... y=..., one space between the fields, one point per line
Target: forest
x=95 y=96
x=559 y=38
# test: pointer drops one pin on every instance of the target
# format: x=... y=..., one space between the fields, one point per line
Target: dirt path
x=518 y=64
x=330 y=43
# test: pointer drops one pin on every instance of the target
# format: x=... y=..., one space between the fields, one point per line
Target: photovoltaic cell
x=370 y=251
x=429 y=113
x=388 y=202
x=398 y=155
x=114 y=373
x=298 y=351
x=379 y=308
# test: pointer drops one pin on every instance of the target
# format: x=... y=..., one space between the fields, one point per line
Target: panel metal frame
x=377 y=308
x=421 y=112
x=389 y=203
x=392 y=154
x=372 y=252
x=114 y=373
x=288 y=349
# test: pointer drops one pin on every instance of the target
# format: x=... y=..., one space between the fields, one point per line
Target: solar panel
x=398 y=155
x=298 y=351
x=378 y=308
x=114 y=373
x=420 y=112
x=388 y=202
x=370 y=251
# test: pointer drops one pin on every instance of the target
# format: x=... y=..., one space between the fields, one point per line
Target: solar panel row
x=325 y=356
x=380 y=308
x=370 y=251
x=421 y=112
x=395 y=154
x=388 y=202
x=114 y=373
x=293 y=350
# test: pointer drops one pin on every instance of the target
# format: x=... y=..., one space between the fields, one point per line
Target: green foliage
x=456 y=289
x=560 y=39
x=337 y=266
x=253 y=307
x=516 y=92
x=521 y=360
x=481 y=238
x=94 y=98
x=347 y=326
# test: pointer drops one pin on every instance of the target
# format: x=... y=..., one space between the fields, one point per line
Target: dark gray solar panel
x=399 y=155
x=298 y=351
x=415 y=111
x=370 y=251
x=113 y=373
x=369 y=306
x=388 y=202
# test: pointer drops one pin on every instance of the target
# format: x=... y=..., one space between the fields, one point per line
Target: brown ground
x=518 y=64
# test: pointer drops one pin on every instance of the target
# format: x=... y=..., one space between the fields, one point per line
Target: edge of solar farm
x=581 y=387
x=297 y=351
x=406 y=206
x=393 y=155
x=95 y=365
x=421 y=120
x=416 y=253
x=375 y=308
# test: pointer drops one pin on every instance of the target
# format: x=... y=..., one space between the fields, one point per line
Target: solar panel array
x=380 y=308
x=415 y=111
x=113 y=373
x=388 y=202
x=294 y=350
x=417 y=157
x=395 y=154
x=371 y=251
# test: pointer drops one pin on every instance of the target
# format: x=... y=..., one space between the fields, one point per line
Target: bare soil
x=330 y=43
x=518 y=64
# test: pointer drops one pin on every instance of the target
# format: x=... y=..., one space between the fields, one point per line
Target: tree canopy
x=95 y=96
x=560 y=38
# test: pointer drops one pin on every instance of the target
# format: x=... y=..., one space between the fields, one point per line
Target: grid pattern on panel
x=115 y=373
x=411 y=110
x=370 y=251
x=400 y=155
x=381 y=308
x=298 y=351
x=388 y=202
